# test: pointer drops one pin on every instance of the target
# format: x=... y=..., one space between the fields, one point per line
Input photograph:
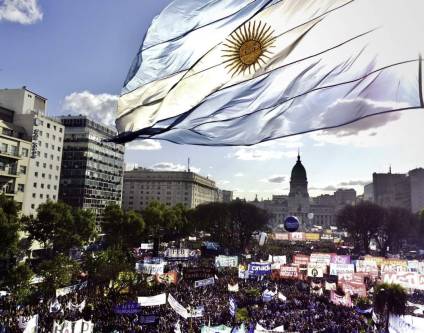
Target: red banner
x=289 y=272
x=354 y=288
x=301 y=259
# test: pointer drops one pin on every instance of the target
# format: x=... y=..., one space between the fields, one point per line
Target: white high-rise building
x=46 y=135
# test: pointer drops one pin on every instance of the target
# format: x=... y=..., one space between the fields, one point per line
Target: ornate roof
x=298 y=173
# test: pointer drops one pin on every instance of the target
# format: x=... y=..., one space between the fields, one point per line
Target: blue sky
x=77 y=54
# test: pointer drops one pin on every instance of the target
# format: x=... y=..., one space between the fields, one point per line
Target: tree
x=123 y=229
x=389 y=299
x=231 y=224
x=362 y=222
x=59 y=227
x=58 y=272
x=9 y=229
x=18 y=280
x=397 y=225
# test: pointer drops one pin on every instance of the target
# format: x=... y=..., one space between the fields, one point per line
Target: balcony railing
x=8 y=172
x=10 y=153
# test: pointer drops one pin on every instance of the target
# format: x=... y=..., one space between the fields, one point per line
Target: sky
x=77 y=54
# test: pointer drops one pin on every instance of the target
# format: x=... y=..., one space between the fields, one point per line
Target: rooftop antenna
x=188 y=164
x=390 y=169
x=298 y=154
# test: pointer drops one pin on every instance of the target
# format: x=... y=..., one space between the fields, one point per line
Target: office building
x=92 y=169
x=142 y=186
x=46 y=135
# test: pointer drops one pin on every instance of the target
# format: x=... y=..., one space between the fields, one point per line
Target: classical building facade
x=92 y=169
x=310 y=211
x=142 y=186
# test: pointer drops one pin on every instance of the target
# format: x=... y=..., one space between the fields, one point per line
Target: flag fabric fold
x=240 y=73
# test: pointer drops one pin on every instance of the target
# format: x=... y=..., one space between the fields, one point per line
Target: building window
x=32 y=206
x=36 y=174
x=44 y=165
x=59 y=149
x=48 y=125
x=21 y=187
x=54 y=127
x=47 y=145
x=33 y=195
x=37 y=164
x=34 y=185
x=42 y=185
x=41 y=195
x=54 y=196
x=43 y=175
x=25 y=152
x=45 y=155
x=60 y=129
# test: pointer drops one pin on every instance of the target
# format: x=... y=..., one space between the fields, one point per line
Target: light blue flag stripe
x=193 y=27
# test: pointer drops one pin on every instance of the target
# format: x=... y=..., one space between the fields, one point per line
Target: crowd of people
x=300 y=311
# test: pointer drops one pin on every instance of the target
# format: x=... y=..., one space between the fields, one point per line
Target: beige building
x=142 y=186
x=14 y=161
x=46 y=135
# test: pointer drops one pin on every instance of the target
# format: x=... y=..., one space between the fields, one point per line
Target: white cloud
x=355 y=183
x=169 y=166
x=260 y=154
x=130 y=166
x=222 y=182
x=20 y=11
x=239 y=174
x=100 y=108
x=147 y=144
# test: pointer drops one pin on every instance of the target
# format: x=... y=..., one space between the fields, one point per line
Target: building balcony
x=9 y=154
x=9 y=173
x=8 y=192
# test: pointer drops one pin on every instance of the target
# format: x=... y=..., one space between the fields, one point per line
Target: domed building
x=320 y=210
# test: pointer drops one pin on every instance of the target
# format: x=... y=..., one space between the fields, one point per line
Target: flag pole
x=420 y=80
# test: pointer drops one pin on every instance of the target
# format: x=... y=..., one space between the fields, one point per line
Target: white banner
x=320 y=258
x=151 y=269
x=330 y=286
x=204 y=282
x=233 y=288
x=67 y=290
x=178 y=308
x=79 y=326
x=407 y=280
x=336 y=269
x=146 y=246
x=402 y=324
x=152 y=300
x=226 y=261
x=316 y=270
x=277 y=259
x=28 y=324
x=177 y=253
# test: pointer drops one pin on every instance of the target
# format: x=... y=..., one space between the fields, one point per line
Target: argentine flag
x=240 y=72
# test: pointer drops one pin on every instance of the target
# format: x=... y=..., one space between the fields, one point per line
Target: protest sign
x=321 y=258
x=28 y=324
x=338 y=259
x=127 y=308
x=178 y=308
x=150 y=269
x=300 y=259
x=330 y=286
x=312 y=237
x=259 y=268
x=146 y=246
x=277 y=259
x=152 y=300
x=177 y=254
x=198 y=273
x=233 y=287
x=297 y=236
x=167 y=278
x=408 y=280
x=340 y=300
x=281 y=236
x=79 y=326
x=243 y=273
x=226 y=261
x=370 y=267
x=289 y=272
x=316 y=270
x=336 y=269
x=354 y=288
x=71 y=289
x=204 y=282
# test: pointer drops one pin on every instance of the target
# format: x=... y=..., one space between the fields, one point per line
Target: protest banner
x=338 y=259
x=377 y=260
x=393 y=268
x=259 y=268
x=146 y=246
x=289 y=272
x=226 y=261
x=408 y=280
x=281 y=236
x=150 y=269
x=351 y=277
x=79 y=326
x=408 y=323
x=178 y=308
x=336 y=269
x=152 y=300
x=312 y=237
x=277 y=259
x=167 y=278
x=321 y=258
x=354 y=288
x=301 y=259
x=127 y=308
x=297 y=236
x=71 y=289
x=243 y=273
x=233 y=287
x=315 y=270
x=198 y=273
x=330 y=286
x=340 y=300
x=148 y=319
x=28 y=324
x=204 y=282
x=370 y=267
x=177 y=254
x=216 y=329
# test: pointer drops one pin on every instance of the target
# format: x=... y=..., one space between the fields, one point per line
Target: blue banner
x=259 y=268
x=127 y=308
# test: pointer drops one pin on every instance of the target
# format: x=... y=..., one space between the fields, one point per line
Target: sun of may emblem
x=248 y=47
